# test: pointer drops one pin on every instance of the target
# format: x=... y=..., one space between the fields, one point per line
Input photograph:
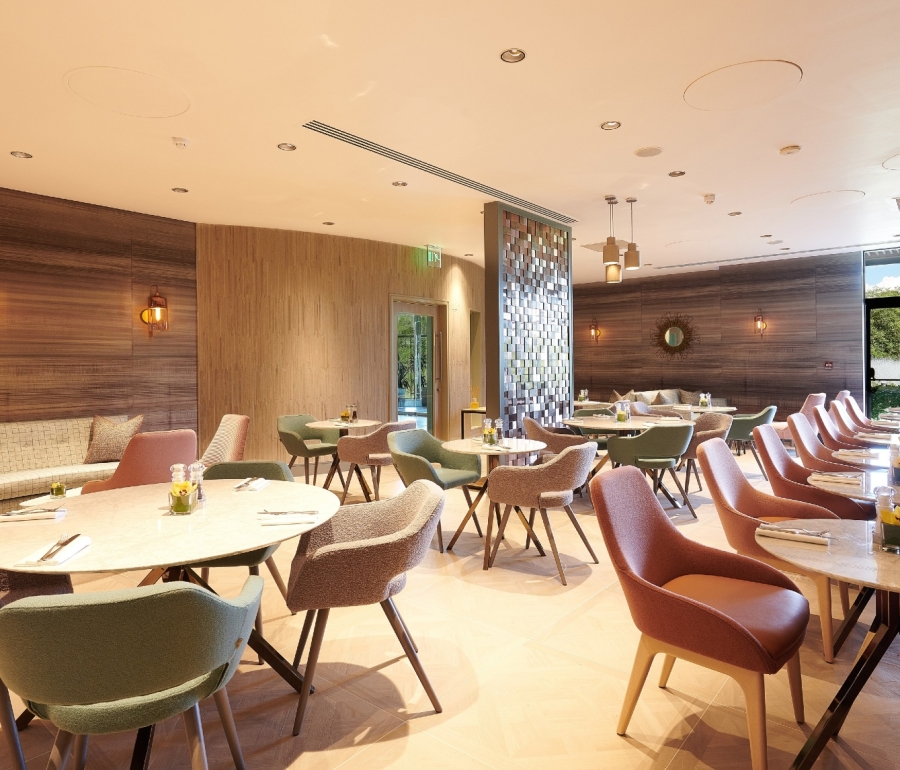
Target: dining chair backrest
x=357 y=449
x=812 y=400
x=830 y=434
x=246 y=469
x=812 y=452
x=18 y=585
x=414 y=451
x=838 y=413
x=227 y=444
x=528 y=485
x=856 y=413
x=579 y=413
x=108 y=646
x=294 y=433
x=743 y=424
x=706 y=426
x=148 y=459
x=842 y=394
x=658 y=442
x=555 y=442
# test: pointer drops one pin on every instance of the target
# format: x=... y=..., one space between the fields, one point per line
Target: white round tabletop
x=510 y=446
x=692 y=408
x=131 y=529
x=338 y=424
x=874 y=459
x=870 y=481
x=849 y=555
x=875 y=438
x=639 y=422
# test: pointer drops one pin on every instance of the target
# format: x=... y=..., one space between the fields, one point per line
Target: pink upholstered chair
x=227 y=446
x=842 y=394
x=831 y=435
x=719 y=610
x=858 y=417
x=813 y=399
x=540 y=487
x=812 y=452
x=147 y=460
x=789 y=479
x=371 y=450
x=741 y=508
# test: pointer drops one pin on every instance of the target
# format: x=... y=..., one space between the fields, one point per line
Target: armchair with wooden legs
x=371 y=450
x=300 y=441
x=707 y=425
x=718 y=610
x=740 y=435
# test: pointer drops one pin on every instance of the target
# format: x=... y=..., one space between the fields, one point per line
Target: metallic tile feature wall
x=536 y=315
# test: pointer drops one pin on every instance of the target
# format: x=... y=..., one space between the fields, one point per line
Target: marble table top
x=336 y=424
x=639 y=422
x=692 y=408
x=866 y=491
x=882 y=461
x=849 y=556
x=589 y=404
x=510 y=446
x=130 y=528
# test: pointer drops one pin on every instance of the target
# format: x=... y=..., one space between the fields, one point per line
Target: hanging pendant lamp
x=614 y=273
x=611 y=250
x=632 y=255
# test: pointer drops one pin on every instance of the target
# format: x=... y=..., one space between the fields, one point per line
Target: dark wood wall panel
x=73 y=280
x=813 y=308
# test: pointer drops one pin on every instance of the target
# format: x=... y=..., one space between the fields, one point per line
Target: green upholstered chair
x=740 y=435
x=655 y=451
x=294 y=436
x=114 y=661
x=414 y=453
x=595 y=435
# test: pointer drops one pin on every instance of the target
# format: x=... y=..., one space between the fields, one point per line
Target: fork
x=56 y=546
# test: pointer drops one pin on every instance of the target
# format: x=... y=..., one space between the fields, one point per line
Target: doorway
x=419 y=355
x=882 y=353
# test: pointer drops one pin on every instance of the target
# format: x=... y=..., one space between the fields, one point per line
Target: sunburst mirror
x=674 y=335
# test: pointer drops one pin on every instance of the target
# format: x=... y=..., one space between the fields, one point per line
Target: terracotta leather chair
x=147 y=460
x=831 y=435
x=858 y=416
x=742 y=508
x=846 y=424
x=227 y=446
x=719 y=610
x=812 y=452
x=813 y=399
x=789 y=479
x=842 y=394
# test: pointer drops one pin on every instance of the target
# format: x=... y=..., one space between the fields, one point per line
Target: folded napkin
x=63 y=555
x=851 y=478
x=252 y=486
x=670 y=419
x=849 y=454
x=788 y=534
x=35 y=514
x=875 y=436
x=277 y=518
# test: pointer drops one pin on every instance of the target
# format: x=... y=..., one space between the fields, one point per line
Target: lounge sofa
x=664 y=398
x=33 y=454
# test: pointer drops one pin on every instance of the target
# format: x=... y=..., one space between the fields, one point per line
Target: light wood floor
x=531 y=675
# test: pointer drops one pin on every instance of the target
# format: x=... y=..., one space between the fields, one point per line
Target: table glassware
x=623 y=411
x=353 y=412
x=183 y=494
x=345 y=415
x=197 y=470
x=489 y=435
x=57 y=489
x=889 y=519
x=705 y=400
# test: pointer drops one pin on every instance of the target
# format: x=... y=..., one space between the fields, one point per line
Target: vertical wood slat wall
x=293 y=322
x=73 y=280
x=814 y=311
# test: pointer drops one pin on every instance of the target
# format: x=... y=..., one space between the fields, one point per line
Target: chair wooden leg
x=259 y=616
x=643 y=658
x=314 y=650
x=193 y=729
x=844 y=590
x=531 y=525
x=668 y=665
x=440 y=537
x=475 y=521
x=697 y=475
x=529 y=529
x=143 y=743
x=204 y=574
x=8 y=726
x=581 y=534
x=549 y=529
x=293 y=460
x=347 y=482
x=500 y=530
x=79 y=751
x=687 y=477
x=374 y=473
x=61 y=751
x=390 y=610
x=796 y=683
x=687 y=500
x=276 y=576
x=316 y=471
x=758 y=462
x=362 y=483
x=823 y=589
x=223 y=706
x=754 y=689
x=405 y=627
x=306 y=468
x=304 y=635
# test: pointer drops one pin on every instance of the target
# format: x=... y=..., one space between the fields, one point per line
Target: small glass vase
x=57 y=489
x=890 y=537
x=182 y=505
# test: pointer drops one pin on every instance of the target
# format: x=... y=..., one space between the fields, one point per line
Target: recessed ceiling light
x=785 y=248
x=468 y=255
x=610 y=125
x=179 y=189
x=791 y=149
x=734 y=213
x=766 y=236
x=328 y=223
x=513 y=55
x=676 y=173
x=399 y=184
x=648 y=152
x=287 y=146
x=774 y=243
x=20 y=154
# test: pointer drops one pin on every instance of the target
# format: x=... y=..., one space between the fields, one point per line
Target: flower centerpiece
x=490 y=436
x=345 y=415
x=182 y=498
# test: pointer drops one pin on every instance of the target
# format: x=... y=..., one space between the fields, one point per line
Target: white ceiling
x=426 y=79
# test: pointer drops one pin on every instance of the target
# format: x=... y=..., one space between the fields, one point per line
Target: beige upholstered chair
x=371 y=450
x=556 y=442
x=540 y=487
x=813 y=399
x=361 y=556
x=706 y=426
x=227 y=446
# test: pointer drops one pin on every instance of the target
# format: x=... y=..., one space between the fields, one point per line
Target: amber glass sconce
x=156 y=315
x=595 y=332
x=759 y=325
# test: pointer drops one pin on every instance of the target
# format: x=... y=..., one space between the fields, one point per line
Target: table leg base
x=849 y=622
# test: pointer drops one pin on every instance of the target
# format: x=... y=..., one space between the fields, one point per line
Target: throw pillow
x=645 y=396
x=109 y=439
x=629 y=396
x=689 y=397
x=661 y=400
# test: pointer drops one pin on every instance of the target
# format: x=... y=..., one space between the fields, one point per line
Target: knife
x=58 y=547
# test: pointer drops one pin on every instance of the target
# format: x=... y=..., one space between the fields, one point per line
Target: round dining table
x=873 y=459
x=849 y=556
x=865 y=490
x=509 y=447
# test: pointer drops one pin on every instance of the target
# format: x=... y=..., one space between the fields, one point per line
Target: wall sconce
x=759 y=325
x=595 y=332
x=156 y=315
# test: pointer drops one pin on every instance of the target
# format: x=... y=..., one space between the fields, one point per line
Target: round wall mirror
x=674 y=336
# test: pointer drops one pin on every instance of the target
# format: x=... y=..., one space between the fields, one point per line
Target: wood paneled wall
x=814 y=311
x=293 y=322
x=73 y=280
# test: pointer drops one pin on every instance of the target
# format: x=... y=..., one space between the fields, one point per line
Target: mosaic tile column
x=528 y=318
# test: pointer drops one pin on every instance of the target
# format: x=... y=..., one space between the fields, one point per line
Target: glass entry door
x=882 y=353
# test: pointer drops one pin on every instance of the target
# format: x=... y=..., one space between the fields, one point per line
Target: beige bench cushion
x=36 y=481
x=45 y=443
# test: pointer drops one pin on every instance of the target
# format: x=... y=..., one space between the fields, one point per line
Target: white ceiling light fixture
x=611 y=249
x=20 y=154
x=512 y=55
x=181 y=142
x=632 y=255
x=648 y=152
x=287 y=147
x=610 y=125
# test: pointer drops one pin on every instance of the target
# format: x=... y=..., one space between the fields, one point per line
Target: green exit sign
x=434 y=255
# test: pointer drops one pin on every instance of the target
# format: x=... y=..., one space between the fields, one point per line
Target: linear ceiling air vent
x=365 y=144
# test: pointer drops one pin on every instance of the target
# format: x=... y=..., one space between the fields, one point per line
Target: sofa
x=664 y=398
x=33 y=454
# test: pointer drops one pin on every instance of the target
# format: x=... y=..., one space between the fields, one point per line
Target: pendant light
x=611 y=250
x=632 y=255
x=614 y=273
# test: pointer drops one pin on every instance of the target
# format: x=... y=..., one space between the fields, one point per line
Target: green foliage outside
x=412 y=355
x=884 y=396
x=885 y=343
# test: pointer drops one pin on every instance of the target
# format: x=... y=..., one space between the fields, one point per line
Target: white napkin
x=35 y=515
x=854 y=479
x=875 y=436
x=670 y=419
x=782 y=535
x=71 y=550
x=858 y=452
x=253 y=486
x=849 y=455
x=277 y=518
